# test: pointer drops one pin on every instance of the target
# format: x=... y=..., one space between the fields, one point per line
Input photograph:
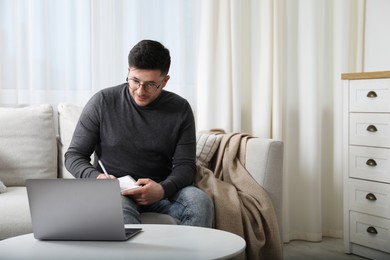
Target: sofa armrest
x=264 y=161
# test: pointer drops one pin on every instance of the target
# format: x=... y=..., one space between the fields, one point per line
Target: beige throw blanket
x=242 y=206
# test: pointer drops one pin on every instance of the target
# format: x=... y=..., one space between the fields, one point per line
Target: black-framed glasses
x=135 y=84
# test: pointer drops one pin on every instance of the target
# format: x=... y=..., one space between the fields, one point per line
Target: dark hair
x=150 y=55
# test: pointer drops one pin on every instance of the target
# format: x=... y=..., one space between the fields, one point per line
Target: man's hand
x=103 y=176
x=148 y=192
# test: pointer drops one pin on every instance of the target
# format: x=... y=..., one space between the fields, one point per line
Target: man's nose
x=141 y=89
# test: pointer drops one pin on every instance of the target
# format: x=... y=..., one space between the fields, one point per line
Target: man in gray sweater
x=140 y=129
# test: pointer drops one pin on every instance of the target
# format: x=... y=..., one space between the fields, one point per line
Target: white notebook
x=127 y=183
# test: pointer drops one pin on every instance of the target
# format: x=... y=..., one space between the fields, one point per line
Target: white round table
x=154 y=242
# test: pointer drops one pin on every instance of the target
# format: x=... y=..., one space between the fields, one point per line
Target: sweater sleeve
x=184 y=167
x=85 y=138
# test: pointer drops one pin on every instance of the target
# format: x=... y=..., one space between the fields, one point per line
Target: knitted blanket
x=241 y=205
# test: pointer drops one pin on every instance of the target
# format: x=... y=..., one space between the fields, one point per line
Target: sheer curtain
x=323 y=40
x=269 y=67
x=45 y=52
x=66 y=50
x=237 y=81
x=272 y=68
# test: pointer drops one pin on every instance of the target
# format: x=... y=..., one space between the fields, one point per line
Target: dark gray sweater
x=156 y=141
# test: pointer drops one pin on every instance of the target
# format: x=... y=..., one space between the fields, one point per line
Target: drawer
x=369 y=197
x=370 y=231
x=369 y=95
x=369 y=129
x=369 y=163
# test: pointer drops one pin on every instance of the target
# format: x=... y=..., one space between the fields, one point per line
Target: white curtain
x=66 y=50
x=238 y=53
x=268 y=67
x=45 y=51
x=324 y=39
x=273 y=68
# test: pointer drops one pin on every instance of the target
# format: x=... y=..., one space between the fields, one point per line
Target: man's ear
x=128 y=71
x=166 y=79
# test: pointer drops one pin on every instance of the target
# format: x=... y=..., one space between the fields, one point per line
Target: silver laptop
x=77 y=209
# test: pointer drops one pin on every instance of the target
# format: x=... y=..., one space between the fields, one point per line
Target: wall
x=377 y=36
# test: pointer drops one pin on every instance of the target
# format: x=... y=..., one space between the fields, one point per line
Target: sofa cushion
x=15 y=213
x=158 y=218
x=68 y=116
x=28 y=146
x=3 y=188
x=206 y=146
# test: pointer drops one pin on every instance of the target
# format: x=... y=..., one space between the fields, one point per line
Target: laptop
x=77 y=209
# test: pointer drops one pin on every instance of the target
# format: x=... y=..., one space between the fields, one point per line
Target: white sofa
x=31 y=147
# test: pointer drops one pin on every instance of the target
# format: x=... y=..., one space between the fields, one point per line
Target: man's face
x=145 y=85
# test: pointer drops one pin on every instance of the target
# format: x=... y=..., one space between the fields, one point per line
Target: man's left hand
x=148 y=192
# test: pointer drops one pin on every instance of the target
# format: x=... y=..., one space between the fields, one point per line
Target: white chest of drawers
x=366 y=151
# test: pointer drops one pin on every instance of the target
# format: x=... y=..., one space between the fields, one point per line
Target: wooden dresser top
x=366 y=75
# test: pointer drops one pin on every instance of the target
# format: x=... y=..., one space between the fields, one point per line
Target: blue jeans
x=190 y=205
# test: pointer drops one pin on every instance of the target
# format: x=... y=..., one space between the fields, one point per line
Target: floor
x=329 y=248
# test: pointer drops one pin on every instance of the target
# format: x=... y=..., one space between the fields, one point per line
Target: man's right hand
x=103 y=176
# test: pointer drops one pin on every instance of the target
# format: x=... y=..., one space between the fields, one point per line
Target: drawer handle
x=372 y=94
x=372 y=128
x=371 y=197
x=371 y=162
x=372 y=230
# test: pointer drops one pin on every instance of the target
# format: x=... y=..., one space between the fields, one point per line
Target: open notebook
x=77 y=209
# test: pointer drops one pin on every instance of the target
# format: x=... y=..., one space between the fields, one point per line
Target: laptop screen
x=76 y=209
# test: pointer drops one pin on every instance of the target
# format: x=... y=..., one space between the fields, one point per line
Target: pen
x=104 y=169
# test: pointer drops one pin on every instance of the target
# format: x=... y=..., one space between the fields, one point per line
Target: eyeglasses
x=148 y=86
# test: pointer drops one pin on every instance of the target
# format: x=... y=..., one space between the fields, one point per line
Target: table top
x=154 y=242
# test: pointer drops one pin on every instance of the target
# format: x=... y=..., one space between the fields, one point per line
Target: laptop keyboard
x=132 y=231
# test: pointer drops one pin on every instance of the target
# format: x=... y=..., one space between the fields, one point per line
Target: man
x=141 y=130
